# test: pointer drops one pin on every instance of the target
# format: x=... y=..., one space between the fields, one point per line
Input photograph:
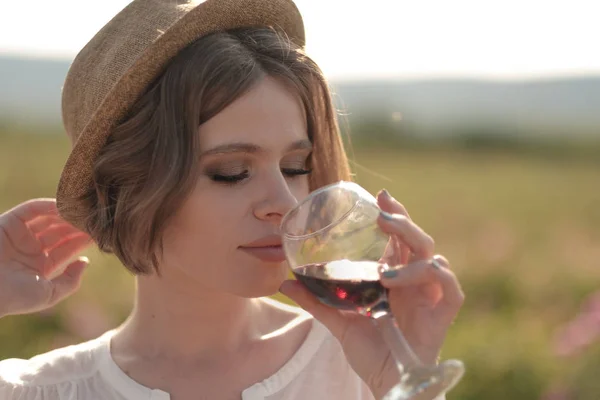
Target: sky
x=508 y=39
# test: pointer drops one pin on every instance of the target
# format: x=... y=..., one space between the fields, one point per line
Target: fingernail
x=387 y=216
x=386 y=193
x=435 y=263
x=389 y=273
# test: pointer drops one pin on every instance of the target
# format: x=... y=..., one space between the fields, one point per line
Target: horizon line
x=387 y=77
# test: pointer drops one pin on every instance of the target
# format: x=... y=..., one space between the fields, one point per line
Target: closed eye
x=232 y=179
x=296 y=172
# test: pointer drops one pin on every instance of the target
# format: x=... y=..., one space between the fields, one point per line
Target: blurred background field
x=483 y=119
x=522 y=229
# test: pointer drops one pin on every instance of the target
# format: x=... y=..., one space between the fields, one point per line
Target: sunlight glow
x=390 y=38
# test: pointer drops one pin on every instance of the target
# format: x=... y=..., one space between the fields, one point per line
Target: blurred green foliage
x=520 y=222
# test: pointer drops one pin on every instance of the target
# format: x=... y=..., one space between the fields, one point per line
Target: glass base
x=427 y=383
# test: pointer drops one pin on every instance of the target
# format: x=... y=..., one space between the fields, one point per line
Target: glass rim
x=312 y=194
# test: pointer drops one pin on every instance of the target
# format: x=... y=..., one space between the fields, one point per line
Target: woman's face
x=252 y=170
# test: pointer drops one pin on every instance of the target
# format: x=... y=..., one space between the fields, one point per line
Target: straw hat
x=113 y=70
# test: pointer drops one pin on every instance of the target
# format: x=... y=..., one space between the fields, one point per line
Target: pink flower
x=582 y=331
x=557 y=394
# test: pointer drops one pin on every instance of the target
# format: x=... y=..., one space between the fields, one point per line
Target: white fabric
x=318 y=370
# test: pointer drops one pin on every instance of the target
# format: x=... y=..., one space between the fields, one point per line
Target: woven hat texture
x=118 y=64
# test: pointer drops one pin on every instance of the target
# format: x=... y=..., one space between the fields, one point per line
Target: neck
x=185 y=322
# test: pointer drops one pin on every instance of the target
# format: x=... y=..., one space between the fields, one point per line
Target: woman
x=196 y=127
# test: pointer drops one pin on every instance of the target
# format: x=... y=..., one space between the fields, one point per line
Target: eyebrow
x=241 y=147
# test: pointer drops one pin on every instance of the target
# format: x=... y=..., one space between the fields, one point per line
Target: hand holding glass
x=334 y=246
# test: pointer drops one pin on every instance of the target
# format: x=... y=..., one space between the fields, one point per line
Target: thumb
x=69 y=281
x=332 y=318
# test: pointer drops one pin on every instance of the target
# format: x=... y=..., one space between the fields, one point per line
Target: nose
x=276 y=200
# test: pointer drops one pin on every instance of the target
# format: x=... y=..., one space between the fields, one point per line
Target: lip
x=267 y=248
x=273 y=254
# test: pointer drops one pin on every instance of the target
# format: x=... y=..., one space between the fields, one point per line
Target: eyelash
x=232 y=179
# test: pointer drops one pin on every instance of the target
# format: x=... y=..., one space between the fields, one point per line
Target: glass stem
x=405 y=358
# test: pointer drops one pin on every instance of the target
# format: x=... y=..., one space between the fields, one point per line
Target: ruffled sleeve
x=16 y=384
x=69 y=373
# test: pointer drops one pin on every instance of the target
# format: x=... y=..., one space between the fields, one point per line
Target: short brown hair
x=146 y=169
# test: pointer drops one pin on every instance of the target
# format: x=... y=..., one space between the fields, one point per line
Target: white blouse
x=318 y=370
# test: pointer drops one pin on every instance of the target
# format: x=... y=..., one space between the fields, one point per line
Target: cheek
x=300 y=188
x=200 y=229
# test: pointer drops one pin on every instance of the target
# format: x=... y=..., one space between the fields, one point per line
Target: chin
x=266 y=283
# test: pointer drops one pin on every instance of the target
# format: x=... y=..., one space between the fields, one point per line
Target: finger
x=439 y=261
x=31 y=209
x=328 y=316
x=56 y=234
x=13 y=224
x=69 y=281
x=17 y=236
x=60 y=254
x=394 y=253
x=43 y=222
x=388 y=203
x=409 y=233
x=425 y=272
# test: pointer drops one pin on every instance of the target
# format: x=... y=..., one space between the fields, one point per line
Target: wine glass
x=335 y=248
